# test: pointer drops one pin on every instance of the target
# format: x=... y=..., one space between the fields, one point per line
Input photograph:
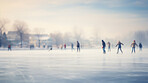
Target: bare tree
x=4 y=40
x=141 y=36
x=96 y=37
x=2 y=25
x=57 y=38
x=38 y=32
x=66 y=38
x=22 y=29
x=78 y=34
x=3 y=22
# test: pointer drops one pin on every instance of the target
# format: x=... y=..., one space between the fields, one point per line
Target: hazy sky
x=108 y=18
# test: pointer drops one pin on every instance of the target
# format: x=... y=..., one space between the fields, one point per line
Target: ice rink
x=66 y=66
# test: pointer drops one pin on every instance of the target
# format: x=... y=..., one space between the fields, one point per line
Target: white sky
x=109 y=18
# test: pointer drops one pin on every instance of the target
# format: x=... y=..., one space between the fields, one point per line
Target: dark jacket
x=103 y=43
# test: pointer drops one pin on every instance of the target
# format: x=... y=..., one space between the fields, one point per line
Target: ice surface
x=66 y=66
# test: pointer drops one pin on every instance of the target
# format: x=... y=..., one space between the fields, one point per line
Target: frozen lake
x=65 y=66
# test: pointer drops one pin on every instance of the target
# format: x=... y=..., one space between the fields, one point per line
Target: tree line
x=58 y=38
x=22 y=29
x=19 y=26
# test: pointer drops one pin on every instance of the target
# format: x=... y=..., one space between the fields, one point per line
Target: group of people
x=72 y=46
x=78 y=46
x=119 y=44
x=64 y=46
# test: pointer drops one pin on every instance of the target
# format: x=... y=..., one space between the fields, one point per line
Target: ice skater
x=50 y=48
x=103 y=46
x=109 y=49
x=72 y=48
x=9 y=47
x=61 y=47
x=65 y=46
x=78 y=46
x=140 y=46
x=133 y=45
x=119 y=47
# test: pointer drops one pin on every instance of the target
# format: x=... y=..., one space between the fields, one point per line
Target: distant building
x=37 y=40
x=40 y=40
x=14 y=38
x=12 y=35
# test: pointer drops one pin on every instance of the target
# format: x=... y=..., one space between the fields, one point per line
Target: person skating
x=119 y=47
x=65 y=46
x=61 y=47
x=9 y=47
x=109 y=49
x=78 y=46
x=72 y=46
x=103 y=46
x=133 y=45
x=140 y=46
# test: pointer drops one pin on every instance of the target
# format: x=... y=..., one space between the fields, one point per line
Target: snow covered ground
x=66 y=66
